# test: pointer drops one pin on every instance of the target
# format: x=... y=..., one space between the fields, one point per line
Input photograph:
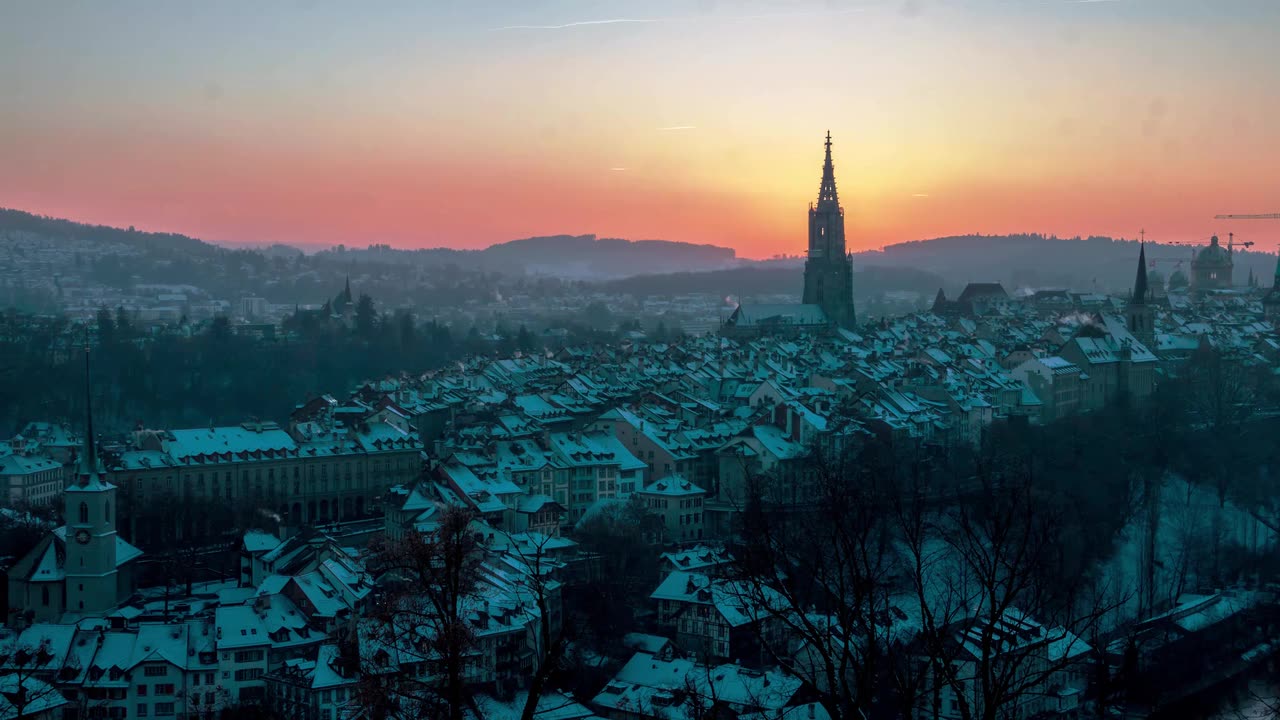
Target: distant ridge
x=1036 y=261
x=1026 y=260
x=578 y=257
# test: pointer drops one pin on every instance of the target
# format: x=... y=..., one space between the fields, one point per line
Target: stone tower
x=1139 y=314
x=828 y=272
x=89 y=507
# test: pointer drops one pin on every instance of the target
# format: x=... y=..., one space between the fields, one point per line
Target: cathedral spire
x=1140 y=281
x=827 y=192
x=89 y=453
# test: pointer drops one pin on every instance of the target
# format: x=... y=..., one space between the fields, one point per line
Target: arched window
x=84 y=513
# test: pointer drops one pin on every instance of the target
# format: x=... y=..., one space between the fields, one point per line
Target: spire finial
x=827 y=192
x=89 y=455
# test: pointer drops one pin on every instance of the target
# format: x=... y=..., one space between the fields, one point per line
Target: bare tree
x=817 y=559
x=997 y=623
x=26 y=672
x=416 y=652
x=1223 y=400
x=207 y=702
x=550 y=640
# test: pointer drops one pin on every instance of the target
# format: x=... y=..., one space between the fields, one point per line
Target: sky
x=433 y=123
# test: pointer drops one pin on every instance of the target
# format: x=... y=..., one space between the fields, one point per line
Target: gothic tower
x=89 y=507
x=828 y=272
x=1139 y=314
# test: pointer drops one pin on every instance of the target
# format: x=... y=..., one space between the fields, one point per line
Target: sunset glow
x=433 y=124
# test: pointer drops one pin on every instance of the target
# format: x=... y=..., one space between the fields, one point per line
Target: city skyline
x=314 y=124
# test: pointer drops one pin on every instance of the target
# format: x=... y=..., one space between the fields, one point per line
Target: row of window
x=386 y=468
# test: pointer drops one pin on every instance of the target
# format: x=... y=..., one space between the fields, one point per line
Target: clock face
x=82 y=536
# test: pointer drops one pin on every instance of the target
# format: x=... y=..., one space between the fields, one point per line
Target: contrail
x=580 y=23
x=694 y=18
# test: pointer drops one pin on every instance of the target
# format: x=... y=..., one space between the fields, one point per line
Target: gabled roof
x=796 y=315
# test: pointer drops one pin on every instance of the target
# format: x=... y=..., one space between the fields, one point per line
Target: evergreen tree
x=525 y=340
x=366 y=317
x=106 y=327
x=124 y=327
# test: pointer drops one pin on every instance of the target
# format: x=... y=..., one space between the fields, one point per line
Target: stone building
x=1211 y=268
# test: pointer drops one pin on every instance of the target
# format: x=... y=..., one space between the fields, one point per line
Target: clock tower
x=89 y=506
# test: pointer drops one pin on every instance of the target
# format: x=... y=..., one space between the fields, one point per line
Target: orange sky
x=463 y=127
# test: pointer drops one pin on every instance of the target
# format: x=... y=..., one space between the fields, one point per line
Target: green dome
x=1215 y=254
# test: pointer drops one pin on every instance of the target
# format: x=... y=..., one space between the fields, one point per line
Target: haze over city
x=463 y=125
x=675 y=360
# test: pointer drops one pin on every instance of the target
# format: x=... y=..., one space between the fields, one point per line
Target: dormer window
x=84 y=513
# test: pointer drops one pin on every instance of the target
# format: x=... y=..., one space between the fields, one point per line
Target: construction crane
x=1231 y=242
x=1264 y=216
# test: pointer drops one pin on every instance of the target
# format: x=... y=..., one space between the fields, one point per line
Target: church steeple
x=1139 y=316
x=88 y=467
x=827 y=197
x=828 y=272
x=89 y=537
x=1140 y=282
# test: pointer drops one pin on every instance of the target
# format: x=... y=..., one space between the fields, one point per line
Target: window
x=164 y=709
x=106 y=511
x=164 y=689
x=84 y=513
x=248 y=674
x=44 y=595
x=244 y=656
x=155 y=670
x=142 y=691
x=142 y=711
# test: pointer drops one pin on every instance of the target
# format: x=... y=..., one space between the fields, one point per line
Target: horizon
x=317 y=125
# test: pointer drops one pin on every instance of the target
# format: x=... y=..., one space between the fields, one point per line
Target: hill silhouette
x=1040 y=261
